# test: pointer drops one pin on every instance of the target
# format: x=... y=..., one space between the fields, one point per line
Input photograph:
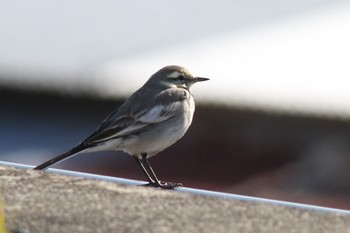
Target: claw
x=164 y=185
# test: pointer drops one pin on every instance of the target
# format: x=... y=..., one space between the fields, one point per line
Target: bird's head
x=175 y=76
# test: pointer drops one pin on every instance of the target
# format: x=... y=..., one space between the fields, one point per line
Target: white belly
x=156 y=138
x=162 y=135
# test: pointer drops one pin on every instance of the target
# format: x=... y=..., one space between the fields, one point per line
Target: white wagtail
x=150 y=120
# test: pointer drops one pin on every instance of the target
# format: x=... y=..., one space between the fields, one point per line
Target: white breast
x=163 y=134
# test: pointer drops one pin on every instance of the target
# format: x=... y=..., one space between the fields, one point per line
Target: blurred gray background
x=272 y=122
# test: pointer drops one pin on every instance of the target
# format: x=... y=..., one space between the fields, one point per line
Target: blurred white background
x=271 y=54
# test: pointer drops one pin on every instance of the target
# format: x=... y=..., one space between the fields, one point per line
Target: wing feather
x=126 y=124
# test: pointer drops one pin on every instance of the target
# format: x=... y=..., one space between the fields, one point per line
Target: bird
x=149 y=121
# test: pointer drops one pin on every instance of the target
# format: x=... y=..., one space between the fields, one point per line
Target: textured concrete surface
x=41 y=202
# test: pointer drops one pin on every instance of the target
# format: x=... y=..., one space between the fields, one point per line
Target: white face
x=175 y=76
x=179 y=79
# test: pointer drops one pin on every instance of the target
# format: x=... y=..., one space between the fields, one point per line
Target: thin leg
x=157 y=182
x=150 y=179
x=148 y=166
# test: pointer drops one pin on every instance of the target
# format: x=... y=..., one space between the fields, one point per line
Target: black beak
x=200 y=79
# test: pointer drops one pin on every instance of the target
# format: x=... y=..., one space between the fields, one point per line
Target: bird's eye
x=181 y=78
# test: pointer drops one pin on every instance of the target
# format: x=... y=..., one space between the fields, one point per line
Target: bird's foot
x=164 y=185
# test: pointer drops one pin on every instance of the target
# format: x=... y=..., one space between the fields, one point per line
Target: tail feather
x=60 y=158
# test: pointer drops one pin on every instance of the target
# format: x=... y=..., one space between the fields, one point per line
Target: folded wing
x=120 y=126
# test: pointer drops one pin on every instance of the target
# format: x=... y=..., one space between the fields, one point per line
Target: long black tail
x=60 y=158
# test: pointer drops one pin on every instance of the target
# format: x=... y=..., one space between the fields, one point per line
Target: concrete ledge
x=43 y=202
